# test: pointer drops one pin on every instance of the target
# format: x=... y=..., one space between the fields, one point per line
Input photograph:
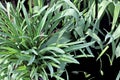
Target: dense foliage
x=38 y=40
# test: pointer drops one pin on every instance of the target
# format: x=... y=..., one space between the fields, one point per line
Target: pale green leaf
x=78 y=46
x=103 y=51
x=32 y=59
x=51 y=58
x=117 y=51
x=68 y=59
x=116 y=15
x=51 y=69
x=103 y=6
x=53 y=49
x=116 y=33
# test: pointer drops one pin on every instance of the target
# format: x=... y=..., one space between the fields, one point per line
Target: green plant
x=40 y=41
x=31 y=44
x=106 y=36
x=118 y=76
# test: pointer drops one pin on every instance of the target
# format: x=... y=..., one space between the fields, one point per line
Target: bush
x=39 y=40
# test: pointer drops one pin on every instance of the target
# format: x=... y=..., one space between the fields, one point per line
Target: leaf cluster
x=40 y=41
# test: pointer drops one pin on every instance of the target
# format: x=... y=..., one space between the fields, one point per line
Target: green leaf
x=32 y=59
x=118 y=76
x=22 y=68
x=103 y=6
x=69 y=44
x=116 y=15
x=67 y=12
x=10 y=50
x=55 y=65
x=94 y=36
x=33 y=72
x=83 y=56
x=23 y=57
x=58 y=77
x=34 y=51
x=111 y=8
x=38 y=11
x=51 y=69
x=42 y=22
x=58 y=50
x=25 y=14
x=78 y=46
x=117 y=51
x=73 y=6
x=2 y=7
x=68 y=59
x=51 y=58
x=103 y=51
x=116 y=33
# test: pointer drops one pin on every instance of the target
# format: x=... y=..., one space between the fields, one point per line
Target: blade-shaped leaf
x=53 y=49
x=78 y=46
x=51 y=58
x=117 y=51
x=116 y=15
